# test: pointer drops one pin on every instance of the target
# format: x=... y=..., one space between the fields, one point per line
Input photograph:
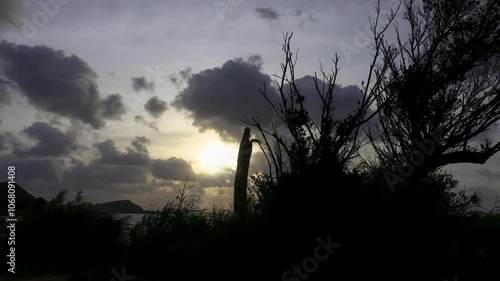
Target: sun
x=218 y=156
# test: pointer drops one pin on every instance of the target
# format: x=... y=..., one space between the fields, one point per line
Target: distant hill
x=24 y=200
x=121 y=206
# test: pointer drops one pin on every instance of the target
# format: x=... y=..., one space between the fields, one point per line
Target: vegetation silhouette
x=319 y=190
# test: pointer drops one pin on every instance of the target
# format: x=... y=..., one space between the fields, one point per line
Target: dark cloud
x=137 y=154
x=112 y=174
x=114 y=107
x=141 y=83
x=217 y=98
x=60 y=84
x=35 y=175
x=140 y=144
x=30 y=169
x=151 y=124
x=155 y=106
x=102 y=176
x=344 y=101
x=171 y=169
x=50 y=141
x=256 y=60
x=267 y=13
x=12 y=13
x=181 y=76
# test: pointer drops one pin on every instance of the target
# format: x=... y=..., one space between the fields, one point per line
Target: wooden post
x=241 y=177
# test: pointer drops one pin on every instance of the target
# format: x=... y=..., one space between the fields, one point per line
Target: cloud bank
x=59 y=84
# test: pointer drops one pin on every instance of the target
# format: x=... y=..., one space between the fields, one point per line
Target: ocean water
x=132 y=218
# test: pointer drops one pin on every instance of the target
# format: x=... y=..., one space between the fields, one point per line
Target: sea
x=132 y=218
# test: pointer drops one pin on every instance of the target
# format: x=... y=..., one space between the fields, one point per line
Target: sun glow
x=218 y=156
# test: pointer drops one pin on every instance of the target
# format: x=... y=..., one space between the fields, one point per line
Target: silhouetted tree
x=40 y=205
x=306 y=143
x=310 y=179
x=441 y=90
x=241 y=177
x=59 y=200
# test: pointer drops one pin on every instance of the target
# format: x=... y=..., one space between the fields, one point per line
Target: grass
x=181 y=239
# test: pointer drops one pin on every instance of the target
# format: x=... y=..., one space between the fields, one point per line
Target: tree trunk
x=241 y=177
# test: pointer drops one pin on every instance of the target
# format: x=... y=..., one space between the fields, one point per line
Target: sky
x=126 y=99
